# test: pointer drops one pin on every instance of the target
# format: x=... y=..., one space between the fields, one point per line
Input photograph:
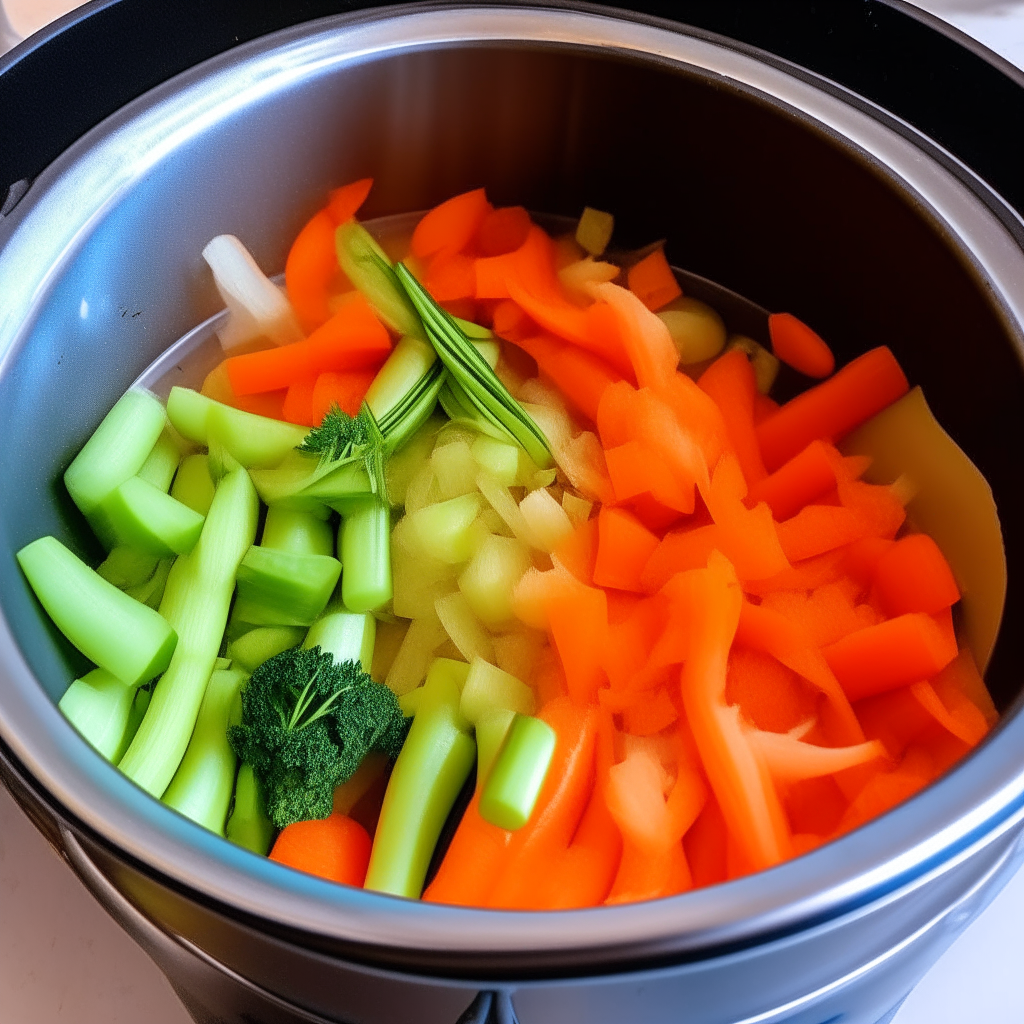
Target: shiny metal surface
x=100 y=271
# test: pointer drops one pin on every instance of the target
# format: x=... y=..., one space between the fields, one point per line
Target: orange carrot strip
x=345 y=390
x=730 y=382
x=615 y=414
x=503 y=230
x=632 y=637
x=311 y=266
x=650 y=714
x=804 y=575
x=579 y=551
x=679 y=551
x=450 y=225
x=629 y=468
x=652 y=281
x=770 y=694
x=705 y=845
x=798 y=346
x=886 y=789
x=581 y=376
x=833 y=408
x=336 y=848
x=962 y=718
x=816 y=529
x=745 y=793
x=217 y=386
x=789 y=760
x=344 y=202
x=298 y=402
x=807 y=475
x=914 y=576
x=652 y=353
x=578 y=623
x=962 y=676
x=623 y=548
x=451 y=276
x=893 y=653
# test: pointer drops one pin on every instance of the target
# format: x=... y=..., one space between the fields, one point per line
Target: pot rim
x=975 y=802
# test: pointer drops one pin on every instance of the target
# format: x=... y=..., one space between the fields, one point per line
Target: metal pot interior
x=791 y=195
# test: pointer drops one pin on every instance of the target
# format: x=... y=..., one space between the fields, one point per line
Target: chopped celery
x=365 y=548
x=99 y=705
x=281 y=588
x=409 y=361
x=248 y=652
x=306 y=484
x=117 y=450
x=489 y=579
x=386 y=646
x=143 y=695
x=462 y=412
x=477 y=333
x=111 y=629
x=367 y=266
x=196 y=601
x=151 y=592
x=487 y=688
x=430 y=771
x=410 y=702
x=345 y=635
x=202 y=786
x=147 y=518
x=418 y=581
x=126 y=567
x=510 y=793
x=445 y=531
x=162 y=461
x=255 y=441
x=193 y=485
x=298 y=532
x=248 y=825
x=491 y=729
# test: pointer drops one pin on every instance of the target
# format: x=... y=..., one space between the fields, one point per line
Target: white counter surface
x=63 y=961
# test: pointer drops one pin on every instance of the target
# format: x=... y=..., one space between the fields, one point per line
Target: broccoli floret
x=307 y=723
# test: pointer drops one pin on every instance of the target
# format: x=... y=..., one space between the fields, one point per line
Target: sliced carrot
x=678 y=551
x=451 y=225
x=705 y=846
x=952 y=710
x=816 y=529
x=888 y=788
x=914 y=576
x=652 y=281
x=311 y=267
x=548 y=677
x=632 y=636
x=578 y=623
x=511 y=322
x=791 y=760
x=503 y=230
x=624 y=546
x=893 y=653
x=615 y=414
x=803 y=575
x=298 y=402
x=771 y=695
x=652 y=353
x=581 y=376
x=652 y=714
x=344 y=202
x=579 y=551
x=729 y=380
x=833 y=408
x=807 y=475
x=217 y=386
x=962 y=675
x=862 y=557
x=764 y=406
x=345 y=390
x=798 y=346
x=629 y=468
x=336 y=848
x=451 y=276
x=815 y=806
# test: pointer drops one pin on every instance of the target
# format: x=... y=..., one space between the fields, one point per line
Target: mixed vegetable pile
x=523 y=512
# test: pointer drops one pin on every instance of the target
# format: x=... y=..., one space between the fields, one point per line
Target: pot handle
x=490 y=1007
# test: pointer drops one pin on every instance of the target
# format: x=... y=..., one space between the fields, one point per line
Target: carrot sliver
x=311 y=267
x=344 y=202
x=650 y=715
x=652 y=281
x=623 y=548
x=579 y=550
x=817 y=529
x=652 y=353
x=578 y=622
x=833 y=408
x=800 y=347
x=450 y=225
x=679 y=551
x=345 y=390
x=451 y=276
x=913 y=575
x=893 y=653
x=730 y=382
x=791 y=760
x=336 y=848
x=961 y=718
x=770 y=694
x=807 y=475
x=503 y=230
x=298 y=402
x=962 y=675
x=705 y=845
x=217 y=386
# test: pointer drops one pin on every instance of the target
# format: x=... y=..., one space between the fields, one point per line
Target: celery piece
x=255 y=441
x=248 y=652
x=445 y=530
x=305 y=484
x=202 y=786
x=196 y=602
x=576 y=508
x=126 y=567
x=151 y=592
x=219 y=461
x=386 y=646
x=489 y=348
x=193 y=486
x=410 y=459
x=594 y=230
x=281 y=588
x=410 y=702
x=487 y=688
x=367 y=266
x=146 y=518
x=117 y=450
x=143 y=695
x=462 y=412
x=111 y=629
x=300 y=533
x=498 y=458
x=430 y=771
x=491 y=729
x=346 y=636
x=99 y=705
x=418 y=582
x=162 y=461
x=492 y=574
x=248 y=825
x=409 y=361
x=477 y=333
x=510 y=793
x=364 y=543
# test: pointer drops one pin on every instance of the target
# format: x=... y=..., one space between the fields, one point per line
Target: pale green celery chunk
x=162 y=461
x=364 y=543
x=445 y=530
x=147 y=518
x=248 y=825
x=193 y=486
x=499 y=459
x=515 y=779
x=345 y=635
x=300 y=533
x=258 y=645
x=126 y=567
x=488 y=688
x=594 y=230
x=99 y=705
x=491 y=729
x=491 y=576
x=403 y=466
x=204 y=782
x=151 y=592
x=282 y=588
x=196 y=603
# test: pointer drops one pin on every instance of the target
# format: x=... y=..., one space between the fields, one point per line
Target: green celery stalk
x=248 y=825
x=249 y=651
x=110 y=628
x=196 y=602
x=144 y=517
x=365 y=547
x=193 y=485
x=510 y=793
x=307 y=484
x=151 y=592
x=345 y=635
x=99 y=705
x=162 y=461
x=282 y=588
x=430 y=771
x=300 y=533
x=205 y=780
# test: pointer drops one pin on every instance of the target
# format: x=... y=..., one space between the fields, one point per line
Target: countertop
x=63 y=961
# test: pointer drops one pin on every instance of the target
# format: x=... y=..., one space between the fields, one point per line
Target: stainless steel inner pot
x=780 y=186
